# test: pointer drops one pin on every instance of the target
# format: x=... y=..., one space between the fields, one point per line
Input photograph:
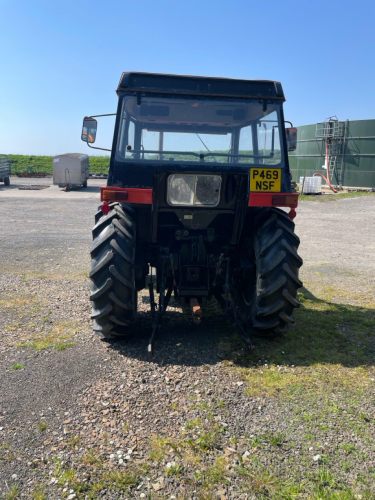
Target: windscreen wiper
x=205 y=146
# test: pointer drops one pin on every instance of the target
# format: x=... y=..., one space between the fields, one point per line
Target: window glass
x=269 y=139
x=246 y=144
x=131 y=134
x=204 y=131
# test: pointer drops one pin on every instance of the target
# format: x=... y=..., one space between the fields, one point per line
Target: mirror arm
x=97 y=116
x=93 y=147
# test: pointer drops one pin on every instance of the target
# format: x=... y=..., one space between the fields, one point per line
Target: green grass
x=38 y=494
x=100 y=477
x=333 y=197
x=17 y=367
x=58 y=337
x=42 y=426
x=21 y=163
x=321 y=373
x=348 y=447
x=75 y=440
x=12 y=493
x=174 y=470
x=330 y=348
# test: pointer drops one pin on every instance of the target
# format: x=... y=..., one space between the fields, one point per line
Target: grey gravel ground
x=80 y=416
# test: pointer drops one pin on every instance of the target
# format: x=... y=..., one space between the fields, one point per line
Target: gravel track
x=112 y=399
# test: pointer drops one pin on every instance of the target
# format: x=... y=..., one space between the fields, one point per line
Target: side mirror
x=89 y=128
x=291 y=138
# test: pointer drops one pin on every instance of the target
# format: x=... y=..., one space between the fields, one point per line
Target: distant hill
x=21 y=163
x=99 y=164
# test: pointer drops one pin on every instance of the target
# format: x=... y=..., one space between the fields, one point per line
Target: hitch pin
x=174 y=277
x=196 y=310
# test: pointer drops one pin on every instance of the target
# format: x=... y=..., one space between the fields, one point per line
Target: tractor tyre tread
x=268 y=307
x=113 y=292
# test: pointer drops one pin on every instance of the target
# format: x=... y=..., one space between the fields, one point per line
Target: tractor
x=198 y=203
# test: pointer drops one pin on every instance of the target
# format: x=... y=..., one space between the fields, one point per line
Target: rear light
x=115 y=195
x=283 y=200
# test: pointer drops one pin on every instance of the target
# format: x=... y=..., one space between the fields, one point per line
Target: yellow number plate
x=265 y=179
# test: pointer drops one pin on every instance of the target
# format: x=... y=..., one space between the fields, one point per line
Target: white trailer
x=5 y=169
x=71 y=170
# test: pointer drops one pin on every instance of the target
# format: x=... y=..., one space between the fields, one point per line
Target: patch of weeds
x=364 y=417
x=214 y=474
x=174 y=447
x=42 y=426
x=121 y=480
x=275 y=439
x=264 y=484
x=63 y=346
x=221 y=403
x=125 y=428
x=17 y=367
x=333 y=197
x=174 y=470
x=8 y=454
x=255 y=442
x=18 y=302
x=13 y=327
x=346 y=466
x=75 y=440
x=295 y=389
x=159 y=447
x=328 y=350
x=12 y=493
x=219 y=428
x=348 y=447
x=202 y=406
x=58 y=337
x=91 y=458
x=67 y=476
x=308 y=417
x=38 y=494
x=206 y=441
x=324 y=482
x=310 y=437
x=192 y=424
x=174 y=406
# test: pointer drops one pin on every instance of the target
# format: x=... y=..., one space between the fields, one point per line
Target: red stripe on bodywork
x=131 y=195
x=267 y=200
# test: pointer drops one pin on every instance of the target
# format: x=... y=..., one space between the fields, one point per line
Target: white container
x=71 y=170
x=311 y=185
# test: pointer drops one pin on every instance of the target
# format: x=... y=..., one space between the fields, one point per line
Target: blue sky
x=62 y=60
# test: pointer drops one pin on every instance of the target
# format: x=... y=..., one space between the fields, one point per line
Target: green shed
x=351 y=152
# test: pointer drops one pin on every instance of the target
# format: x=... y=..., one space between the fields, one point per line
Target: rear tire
x=84 y=185
x=266 y=301
x=113 y=292
x=7 y=181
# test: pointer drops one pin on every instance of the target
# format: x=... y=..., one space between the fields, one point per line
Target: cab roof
x=199 y=85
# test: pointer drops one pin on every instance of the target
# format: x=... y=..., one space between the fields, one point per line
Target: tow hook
x=292 y=214
x=105 y=208
x=196 y=310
